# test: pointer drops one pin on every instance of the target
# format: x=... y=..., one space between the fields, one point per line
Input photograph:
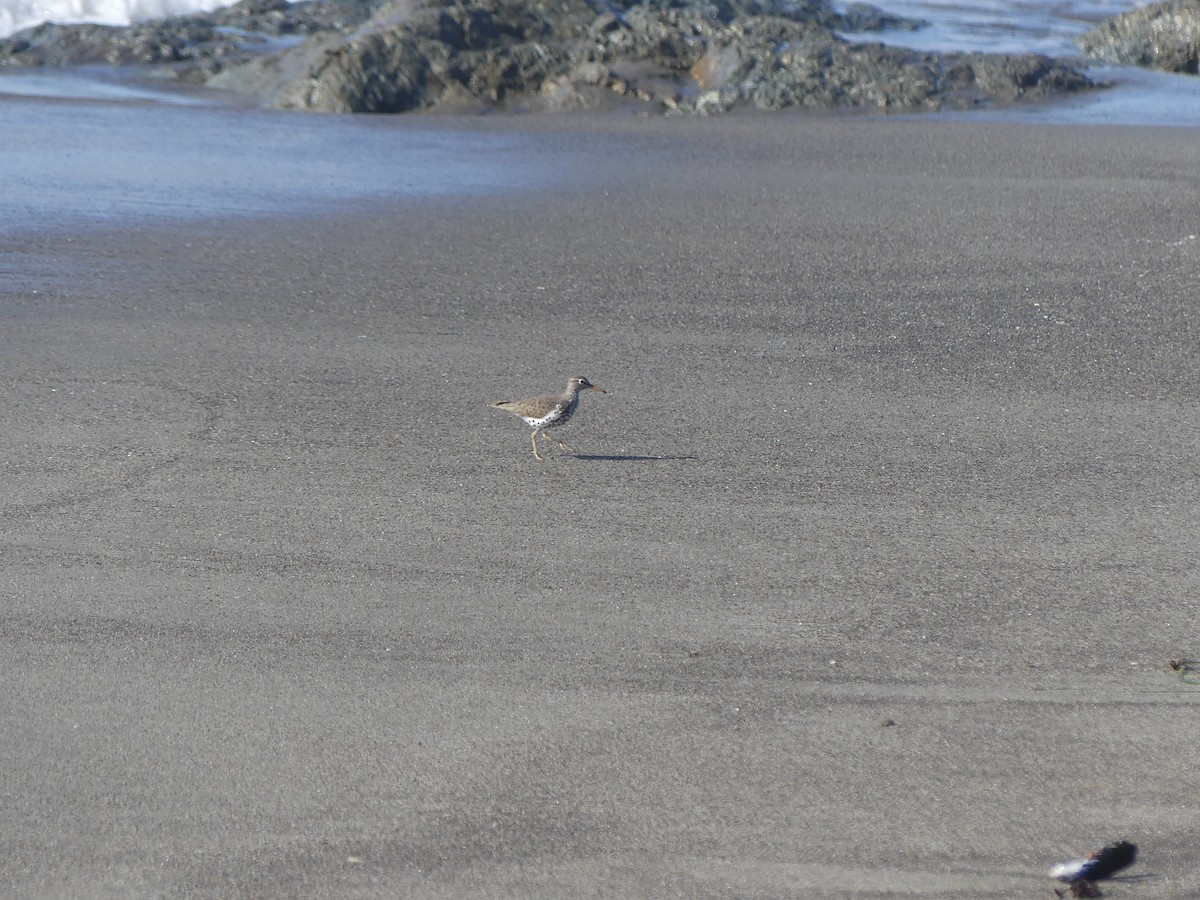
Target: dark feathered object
x=1100 y=865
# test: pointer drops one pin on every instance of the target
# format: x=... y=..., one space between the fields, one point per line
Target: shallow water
x=78 y=163
x=88 y=83
x=1137 y=97
x=992 y=26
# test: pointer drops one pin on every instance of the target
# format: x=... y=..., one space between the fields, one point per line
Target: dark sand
x=901 y=428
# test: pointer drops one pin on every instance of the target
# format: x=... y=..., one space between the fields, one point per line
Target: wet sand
x=864 y=581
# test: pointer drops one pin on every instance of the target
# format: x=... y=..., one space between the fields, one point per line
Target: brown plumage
x=549 y=411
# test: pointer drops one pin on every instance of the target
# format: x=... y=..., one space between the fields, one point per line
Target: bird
x=1102 y=864
x=549 y=411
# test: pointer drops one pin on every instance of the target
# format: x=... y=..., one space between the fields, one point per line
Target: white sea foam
x=18 y=14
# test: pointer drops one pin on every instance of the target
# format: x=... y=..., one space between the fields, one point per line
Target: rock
x=74 y=45
x=1161 y=36
x=698 y=57
x=673 y=56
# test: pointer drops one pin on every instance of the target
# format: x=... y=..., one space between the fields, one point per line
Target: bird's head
x=580 y=383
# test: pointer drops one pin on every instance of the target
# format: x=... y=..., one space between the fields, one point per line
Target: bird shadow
x=626 y=457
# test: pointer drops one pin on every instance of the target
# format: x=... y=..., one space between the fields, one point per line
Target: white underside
x=1068 y=871
x=544 y=422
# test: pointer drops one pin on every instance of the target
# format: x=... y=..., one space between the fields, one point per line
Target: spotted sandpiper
x=549 y=411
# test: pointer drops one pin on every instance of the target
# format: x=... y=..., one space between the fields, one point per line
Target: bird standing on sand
x=549 y=411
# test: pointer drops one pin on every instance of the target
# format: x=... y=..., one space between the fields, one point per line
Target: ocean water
x=992 y=26
x=82 y=163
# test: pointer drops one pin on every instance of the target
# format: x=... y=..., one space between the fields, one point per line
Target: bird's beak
x=600 y=389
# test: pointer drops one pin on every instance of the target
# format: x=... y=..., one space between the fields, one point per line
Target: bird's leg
x=534 y=438
x=565 y=446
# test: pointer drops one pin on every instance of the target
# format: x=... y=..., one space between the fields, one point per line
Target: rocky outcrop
x=575 y=53
x=1161 y=36
x=702 y=56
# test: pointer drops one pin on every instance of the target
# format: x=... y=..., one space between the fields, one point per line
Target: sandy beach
x=864 y=580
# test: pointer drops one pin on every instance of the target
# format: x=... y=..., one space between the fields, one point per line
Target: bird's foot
x=562 y=444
